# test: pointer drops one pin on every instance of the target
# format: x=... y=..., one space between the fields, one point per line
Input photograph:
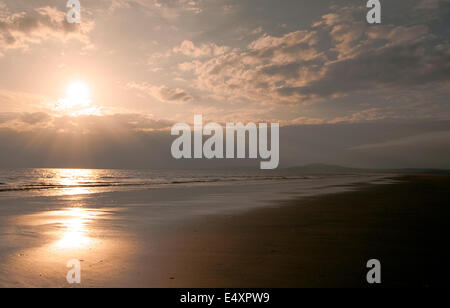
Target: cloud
x=427 y=5
x=34 y=118
x=326 y=65
x=23 y=119
x=22 y=29
x=162 y=93
x=7 y=116
x=254 y=73
x=370 y=58
x=104 y=146
x=402 y=66
x=189 y=49
x=169 y=10
x=110 y=124
x=340 y=54
x=305 y=121
x=435 y=138
x=166 y=94
x=13 y=101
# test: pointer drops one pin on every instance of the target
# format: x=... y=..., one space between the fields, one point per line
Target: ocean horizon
x=58 y=181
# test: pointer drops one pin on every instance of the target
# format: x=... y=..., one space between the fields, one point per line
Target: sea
x=50 y=182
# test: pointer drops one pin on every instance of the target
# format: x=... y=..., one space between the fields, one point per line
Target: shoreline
x=301 y=241
x=325 y=241
x=320 y=241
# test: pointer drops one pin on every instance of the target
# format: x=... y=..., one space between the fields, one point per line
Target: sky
x=104 y=93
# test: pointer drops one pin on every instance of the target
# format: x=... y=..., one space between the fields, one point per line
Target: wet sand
x=322 y=241
x=303 y=241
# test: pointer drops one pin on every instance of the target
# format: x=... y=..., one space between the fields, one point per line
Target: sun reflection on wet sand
x=67 y=226
x=54 y=237
x=75 y=232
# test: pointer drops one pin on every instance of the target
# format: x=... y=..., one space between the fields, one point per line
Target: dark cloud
x=177 y=95
x=338 y=55
x=7 y=116
x=288 y=71
x=162 y=93
x=34 y=118
x=397 y=66
x=120 y=124
x=28 y=118
x=413 y=144
x=110 y=124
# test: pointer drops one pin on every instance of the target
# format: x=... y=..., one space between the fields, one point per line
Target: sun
x=77 y=95
x=77 y=100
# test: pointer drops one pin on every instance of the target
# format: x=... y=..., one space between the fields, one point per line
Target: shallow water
x=54 y=182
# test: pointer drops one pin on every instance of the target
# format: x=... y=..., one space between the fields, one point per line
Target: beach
x=277 y=233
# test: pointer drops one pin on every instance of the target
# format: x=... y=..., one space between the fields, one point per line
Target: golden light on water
x=72 y=176
x=73 y=180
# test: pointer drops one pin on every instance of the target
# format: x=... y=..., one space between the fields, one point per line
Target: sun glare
x=78 y=93
x=77 y=100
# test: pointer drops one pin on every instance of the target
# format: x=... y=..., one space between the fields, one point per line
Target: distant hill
x=334 y=169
